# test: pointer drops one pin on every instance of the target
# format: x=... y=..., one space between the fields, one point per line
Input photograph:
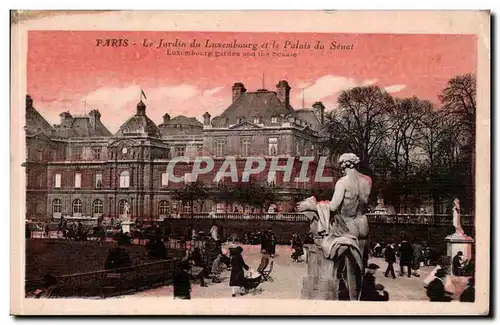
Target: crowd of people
x=205 y=259
x=414 y=255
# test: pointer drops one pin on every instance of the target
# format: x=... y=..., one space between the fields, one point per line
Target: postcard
x=250 y=163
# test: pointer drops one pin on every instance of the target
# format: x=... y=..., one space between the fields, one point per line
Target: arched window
x=77 y=206
x=164 y=208
x=97 y=207
x=124 y=179
x=57 y=206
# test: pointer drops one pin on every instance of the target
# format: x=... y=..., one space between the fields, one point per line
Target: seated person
x=370 y=290
x=217 y=268
x=198 y=266
x=458 y=264
x=436 y=288
x=118 y=257
x=264 y=261
x=48 y=289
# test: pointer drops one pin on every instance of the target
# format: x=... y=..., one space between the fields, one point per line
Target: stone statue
x=340 y=230
x=456 y=217
x=127 y=211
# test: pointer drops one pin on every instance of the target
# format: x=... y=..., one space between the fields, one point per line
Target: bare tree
x=459 y=101
x=361 y=122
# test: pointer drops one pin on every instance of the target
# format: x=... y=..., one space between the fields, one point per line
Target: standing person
x=390 y=258
x=370 y=290
x=297 y=247
x=214 y=232
x=27 y=230
x=60 y=226
x=264 y=240
x=238 y=266
x=406 y=258
x=417 y=257
x=47 y=230
x=436 y=288
x=182 y=283
x=264 y=261
x=272 y=243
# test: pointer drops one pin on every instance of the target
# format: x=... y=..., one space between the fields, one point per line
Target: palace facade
x=79 y=168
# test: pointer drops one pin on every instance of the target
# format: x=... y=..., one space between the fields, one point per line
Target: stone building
x=79 y=168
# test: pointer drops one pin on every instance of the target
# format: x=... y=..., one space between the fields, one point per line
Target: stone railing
x=421 y=219
x=105 y=283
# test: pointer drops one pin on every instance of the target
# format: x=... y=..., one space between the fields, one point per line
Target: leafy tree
x=192 y=192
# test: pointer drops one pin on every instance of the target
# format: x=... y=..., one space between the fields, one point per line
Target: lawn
x=61 y=257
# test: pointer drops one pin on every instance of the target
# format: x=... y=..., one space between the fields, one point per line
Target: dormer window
x=274 y=119
x=256 y=120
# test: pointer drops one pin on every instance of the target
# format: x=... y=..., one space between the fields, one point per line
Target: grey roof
x=35 y=122
x=80 y=126
x=309 y=116
x=183 y=120
x=263 y=103
x=181 y=125
x=140 y=123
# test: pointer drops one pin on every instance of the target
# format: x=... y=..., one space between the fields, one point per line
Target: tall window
x=77 y=206
x=78 y=180
x=180 y=150
x=221 y=148
x=164 y=179
x=124 y=179
x=98 y=180
x=97 y=207
x=97 y=153
x=57 y=206
x=40 y=154
x=187 y=208
x=77 y=153
x=274 y=119
x=245 y=147
x=273 y=146
x=57 y=180
x=164 y=208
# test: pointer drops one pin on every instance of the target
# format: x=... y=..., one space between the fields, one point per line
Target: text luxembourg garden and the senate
x=249 y=198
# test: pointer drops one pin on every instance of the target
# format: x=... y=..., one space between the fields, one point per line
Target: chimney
x=65 y=117
x=206 y=118
x=94 y=117
x=319 y=111
x=166 y=118
x=238 y=89
x=29 y=102
x=141 y=109
x=283 y=91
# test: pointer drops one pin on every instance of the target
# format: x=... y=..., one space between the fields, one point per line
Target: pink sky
x=67 y=68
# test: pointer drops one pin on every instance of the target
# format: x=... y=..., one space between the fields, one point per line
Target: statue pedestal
x=459 y=242
x=319 y=283
x=127 y=226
